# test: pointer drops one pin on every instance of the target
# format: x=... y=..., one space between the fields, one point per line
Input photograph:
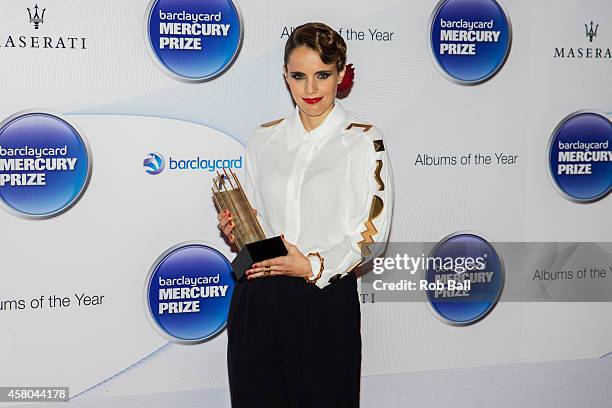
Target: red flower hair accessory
x=347 y=81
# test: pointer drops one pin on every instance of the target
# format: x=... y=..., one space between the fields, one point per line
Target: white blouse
x=329 y=190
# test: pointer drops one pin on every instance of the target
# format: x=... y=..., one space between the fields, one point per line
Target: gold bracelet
x=322 y=262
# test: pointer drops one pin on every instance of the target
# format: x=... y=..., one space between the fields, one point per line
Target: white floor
x=584 y=383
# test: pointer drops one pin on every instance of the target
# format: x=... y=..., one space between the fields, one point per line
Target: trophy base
x=256 y=252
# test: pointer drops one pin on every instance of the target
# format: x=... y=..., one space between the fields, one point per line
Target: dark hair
x=322 y=39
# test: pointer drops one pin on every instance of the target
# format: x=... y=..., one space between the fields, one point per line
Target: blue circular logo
x=154 y=163
x=580 y=156
x=466 y=279
x=45 y=165
x=470 y=39
x=188 y=293
x=194 y=40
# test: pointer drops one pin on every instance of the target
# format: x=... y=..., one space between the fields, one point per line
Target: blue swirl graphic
x=154 y=163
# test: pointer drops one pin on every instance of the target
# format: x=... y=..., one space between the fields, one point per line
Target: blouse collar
x=296 y=133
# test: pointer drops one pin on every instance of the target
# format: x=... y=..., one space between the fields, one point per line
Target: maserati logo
x=584 y=50
x=35 y=18
x=590 y=32
x=51 y=40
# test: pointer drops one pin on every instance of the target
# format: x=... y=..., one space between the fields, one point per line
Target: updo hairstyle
x=322 y=39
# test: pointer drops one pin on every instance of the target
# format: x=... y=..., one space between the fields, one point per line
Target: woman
x=322 y=180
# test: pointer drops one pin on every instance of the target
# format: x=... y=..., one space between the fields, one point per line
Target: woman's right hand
x=226 y=225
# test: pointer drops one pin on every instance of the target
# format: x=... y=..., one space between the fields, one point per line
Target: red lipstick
x=312 y=101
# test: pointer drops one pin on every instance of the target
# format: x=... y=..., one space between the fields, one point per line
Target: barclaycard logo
x=154 y=163
x=196 y=40
x=45 y=164
x=188 y=293
x=482 y=285
x=470 y=39
x=580 y=156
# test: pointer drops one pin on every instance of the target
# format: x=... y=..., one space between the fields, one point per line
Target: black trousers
x=294 y=345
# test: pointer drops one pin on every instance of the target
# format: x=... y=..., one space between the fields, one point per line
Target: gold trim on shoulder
x=381 y=184
x=376 y=208
x=379 y=145
x=359 y=125
x=272 y=123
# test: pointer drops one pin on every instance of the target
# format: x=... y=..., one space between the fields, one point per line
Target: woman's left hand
x=292 y=264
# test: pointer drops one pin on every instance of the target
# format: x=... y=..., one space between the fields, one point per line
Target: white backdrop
x=127 y=107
